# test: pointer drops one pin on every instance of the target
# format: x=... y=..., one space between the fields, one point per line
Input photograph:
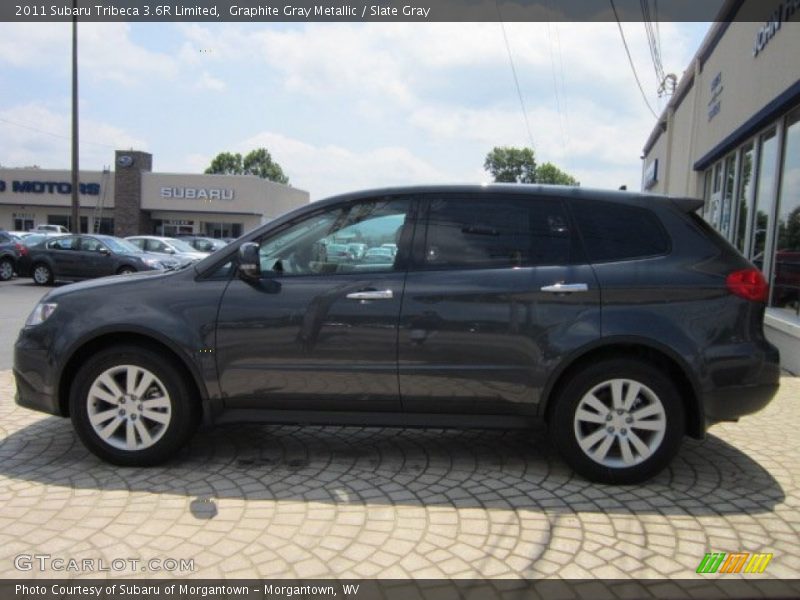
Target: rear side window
x=495 y=232
x=613 y=231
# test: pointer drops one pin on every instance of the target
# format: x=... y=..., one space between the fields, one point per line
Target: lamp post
x=75 y=178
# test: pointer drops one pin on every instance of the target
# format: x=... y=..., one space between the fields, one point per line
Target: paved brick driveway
x=262 y=501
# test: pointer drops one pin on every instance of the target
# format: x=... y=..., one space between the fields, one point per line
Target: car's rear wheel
x=42 y=274
x=618 y=421
x=131 y=407
x=126 y=270
x=6 y=269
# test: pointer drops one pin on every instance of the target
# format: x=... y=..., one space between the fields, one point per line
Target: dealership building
x=132 y=199
x=731 y=135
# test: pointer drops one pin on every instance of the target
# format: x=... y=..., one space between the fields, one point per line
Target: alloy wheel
x=620 y=423
x=129 y=407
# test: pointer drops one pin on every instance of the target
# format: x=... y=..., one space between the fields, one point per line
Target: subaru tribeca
x=621 y=320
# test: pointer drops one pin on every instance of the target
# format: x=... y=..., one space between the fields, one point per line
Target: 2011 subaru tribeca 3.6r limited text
x=621 y=320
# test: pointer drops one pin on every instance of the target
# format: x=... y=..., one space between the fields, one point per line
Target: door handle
x=565 y=288
x=371 y=295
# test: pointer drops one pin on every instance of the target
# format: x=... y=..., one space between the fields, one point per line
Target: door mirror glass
x=249 y=261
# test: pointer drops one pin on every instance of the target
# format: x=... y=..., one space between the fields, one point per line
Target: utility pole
x=75 y=177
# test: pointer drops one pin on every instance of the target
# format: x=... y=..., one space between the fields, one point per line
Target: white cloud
x=106 y=51
x=208 y=82
x=34 y=134
x=331 y=169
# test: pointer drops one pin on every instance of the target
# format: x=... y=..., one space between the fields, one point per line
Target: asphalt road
x=17 y=299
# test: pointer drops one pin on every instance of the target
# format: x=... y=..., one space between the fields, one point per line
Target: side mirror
x=249 y=260
x=105 y=251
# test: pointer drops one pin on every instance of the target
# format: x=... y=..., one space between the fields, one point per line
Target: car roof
x=559 y=191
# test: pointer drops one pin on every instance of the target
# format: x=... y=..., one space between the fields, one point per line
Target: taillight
x=748 y=284
x=23 y=250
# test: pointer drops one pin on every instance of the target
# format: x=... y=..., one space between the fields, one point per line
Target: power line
x=50 y=133
x=516 y=79
x=630 y=60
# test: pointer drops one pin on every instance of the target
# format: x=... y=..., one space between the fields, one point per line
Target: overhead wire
x=50 y=133
x=630 y=60
x=514 y=72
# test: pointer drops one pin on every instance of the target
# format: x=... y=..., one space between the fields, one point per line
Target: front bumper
x=36 y=378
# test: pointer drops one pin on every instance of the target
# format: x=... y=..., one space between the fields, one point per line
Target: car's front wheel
x=126 y=270
x=131 y=407
x=618 y=421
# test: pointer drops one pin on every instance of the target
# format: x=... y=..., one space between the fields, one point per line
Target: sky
x=340 y=106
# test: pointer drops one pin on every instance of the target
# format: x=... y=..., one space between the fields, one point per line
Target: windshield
x=120 y=246
x=180 y=245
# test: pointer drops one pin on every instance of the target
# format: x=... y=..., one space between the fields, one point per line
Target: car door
x=92 y=260
x=63 y=254
x=317 y=331
x=497 y=294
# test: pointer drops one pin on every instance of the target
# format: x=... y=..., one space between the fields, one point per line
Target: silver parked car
x=170 y=246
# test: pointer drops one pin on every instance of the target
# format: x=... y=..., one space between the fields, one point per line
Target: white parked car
x=170 y=246
x=51 y=229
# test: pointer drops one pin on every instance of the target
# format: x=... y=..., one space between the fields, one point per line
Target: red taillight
x=748 y=284
x=23 y=250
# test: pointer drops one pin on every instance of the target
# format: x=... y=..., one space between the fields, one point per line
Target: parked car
x=203 y=244
x=20 y=235
x=51 y=228
x=75 y=257
x=166 y=246
x=10 y=252
x=621 y=320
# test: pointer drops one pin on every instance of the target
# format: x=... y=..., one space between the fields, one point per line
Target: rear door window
x=614 y=232
x=494 y=232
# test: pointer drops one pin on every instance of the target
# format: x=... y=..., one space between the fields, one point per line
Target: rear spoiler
x=688 y=205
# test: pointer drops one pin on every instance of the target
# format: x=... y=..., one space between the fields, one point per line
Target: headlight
x=154 y=263
x=41 y=313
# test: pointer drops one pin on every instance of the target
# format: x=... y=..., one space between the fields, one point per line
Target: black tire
x=42 y=274
x=125 y=270
x=167 y=438
x=568 y=428
x=6 y=269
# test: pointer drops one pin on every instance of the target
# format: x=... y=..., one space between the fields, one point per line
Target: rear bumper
x=728 y=403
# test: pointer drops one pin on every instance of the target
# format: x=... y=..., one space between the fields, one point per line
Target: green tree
x=518 y=165
x=258 y=162
x=511 y=165
x=549 y=173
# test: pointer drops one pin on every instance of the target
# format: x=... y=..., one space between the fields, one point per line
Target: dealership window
x=222 y=230
x=744 y=197
x=23 y=224
x=104 y=225
x=172 y=227
x=765 y=189
x=786 y=272
x=726 y=210
x=66 y=221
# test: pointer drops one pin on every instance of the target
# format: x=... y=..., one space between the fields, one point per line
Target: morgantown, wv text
x=180 y=589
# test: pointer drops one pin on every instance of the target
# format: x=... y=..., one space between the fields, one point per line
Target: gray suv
x=621 y=320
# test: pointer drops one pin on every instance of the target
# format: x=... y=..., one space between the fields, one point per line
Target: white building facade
x=731 y=135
